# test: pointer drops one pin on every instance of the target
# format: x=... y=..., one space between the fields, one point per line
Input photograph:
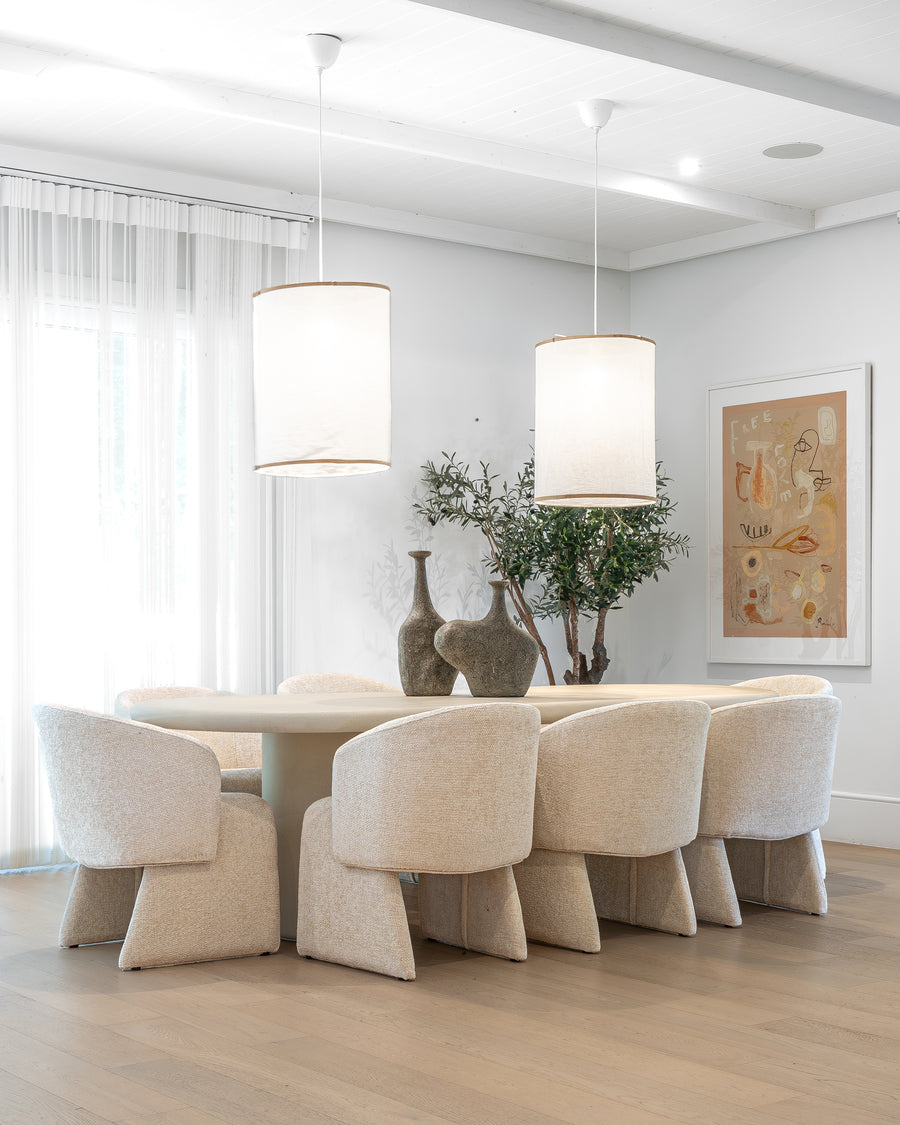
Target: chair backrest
x=125 y=700
x=791 y=685
x=126 y=794
x=331 y=681
x=234 y=749
x=768 y=767
x=448 y=791
x=622 y=780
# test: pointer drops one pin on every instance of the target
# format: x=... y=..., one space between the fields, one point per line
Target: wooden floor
x=788 y=1019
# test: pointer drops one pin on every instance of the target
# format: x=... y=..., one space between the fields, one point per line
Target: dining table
x=302 y=732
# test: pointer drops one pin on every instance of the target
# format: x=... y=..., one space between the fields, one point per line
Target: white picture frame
x=747 y=621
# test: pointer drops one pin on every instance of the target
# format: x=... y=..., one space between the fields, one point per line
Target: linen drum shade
x=594 y=432
x=322 y=379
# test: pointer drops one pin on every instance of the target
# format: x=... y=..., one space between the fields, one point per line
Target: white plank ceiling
x=457 y=119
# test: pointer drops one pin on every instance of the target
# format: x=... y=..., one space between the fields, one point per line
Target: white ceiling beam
x=132 y=177
x=117 y=176
x=858 y=210
x=468 y=234
x=590 y=31
x=506 y=158
x=280 y=113
x=701 y=246
x=826 y=218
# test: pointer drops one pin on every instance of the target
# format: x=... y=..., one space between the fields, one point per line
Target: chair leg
x=210 y=911
x=100 y=905
x=709 y=877
x=557 y=905
x=480 y=911
x=650 y=891
x=784 y=873
x=349 y=915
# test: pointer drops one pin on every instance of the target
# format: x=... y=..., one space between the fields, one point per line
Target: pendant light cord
x=321 y=157
x=596 y=193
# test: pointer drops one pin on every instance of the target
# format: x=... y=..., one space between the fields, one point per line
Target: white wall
x=798 y=305
x=464 y=325
x=465 y=322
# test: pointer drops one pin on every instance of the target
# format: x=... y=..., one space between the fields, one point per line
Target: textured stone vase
x=422 y=670
x=494 y=654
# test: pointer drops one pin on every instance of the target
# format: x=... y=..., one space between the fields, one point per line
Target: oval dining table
x=301 y=732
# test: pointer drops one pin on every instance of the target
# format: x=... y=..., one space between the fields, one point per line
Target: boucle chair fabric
x=796 y=685
x=179 y=870
x=331 y=681
x=766 y=792
x=791 y=685
x=239 y=754
x=448 y=794
x=618 y=796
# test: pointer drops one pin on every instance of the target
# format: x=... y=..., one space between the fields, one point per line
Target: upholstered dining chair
x=331 y=681
x=790 y=685
x=618 y=794
x=796 y=685
x=766 y=793
x=448 y=794
x=166 y=861
x=239 y=754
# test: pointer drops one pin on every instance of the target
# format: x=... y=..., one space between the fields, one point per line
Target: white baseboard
x=863 y=818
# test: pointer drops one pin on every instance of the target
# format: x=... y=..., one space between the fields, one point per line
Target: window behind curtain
x=137 y=547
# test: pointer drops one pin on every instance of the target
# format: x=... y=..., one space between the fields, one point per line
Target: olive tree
x=565 y=563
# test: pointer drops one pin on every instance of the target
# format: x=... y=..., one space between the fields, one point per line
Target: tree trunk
x=600 y=661
x=527 y=618
x=580 y=673
x=576 y=674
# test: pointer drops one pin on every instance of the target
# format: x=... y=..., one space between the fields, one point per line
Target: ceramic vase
x=422 y=670
x=496 y=657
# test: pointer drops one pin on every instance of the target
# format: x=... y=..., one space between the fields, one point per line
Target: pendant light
x=594 y=429
x=321 y=362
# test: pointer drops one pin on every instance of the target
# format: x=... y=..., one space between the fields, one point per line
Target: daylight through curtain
x=138 y=547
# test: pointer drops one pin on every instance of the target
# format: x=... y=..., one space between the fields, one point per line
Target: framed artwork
x=789 y=519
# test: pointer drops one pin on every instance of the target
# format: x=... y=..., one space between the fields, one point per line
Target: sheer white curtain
x=137 y=546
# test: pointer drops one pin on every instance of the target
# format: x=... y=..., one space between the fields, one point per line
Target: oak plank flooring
x=790 y=1018
x=22 y=1101
x=300 y=1083
x=592 y=1059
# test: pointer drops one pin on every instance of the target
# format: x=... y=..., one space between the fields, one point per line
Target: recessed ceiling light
x=799 y=150
x=689 y=166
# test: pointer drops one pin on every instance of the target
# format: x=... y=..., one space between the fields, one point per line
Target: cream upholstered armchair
x=448 y=794
x=239 y=754
x=331 y=681
x=791 y=685
x=796 y=685
x=618 y=794
x=766 y=793
x=166 y=862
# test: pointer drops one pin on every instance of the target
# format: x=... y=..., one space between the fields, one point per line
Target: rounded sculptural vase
x=422 y=670
x=494 y=654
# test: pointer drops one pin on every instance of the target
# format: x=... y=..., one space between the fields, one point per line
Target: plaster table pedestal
x=300 y=734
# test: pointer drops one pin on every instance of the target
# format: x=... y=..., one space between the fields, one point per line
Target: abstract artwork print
x=784 y=517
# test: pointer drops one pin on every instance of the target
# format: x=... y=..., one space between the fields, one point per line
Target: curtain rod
x=122 y=189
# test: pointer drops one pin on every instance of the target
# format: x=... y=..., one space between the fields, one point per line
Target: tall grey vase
x=494 y=654
x=422 y=670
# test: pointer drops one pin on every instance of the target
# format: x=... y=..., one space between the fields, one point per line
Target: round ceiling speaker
x=799 y=150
